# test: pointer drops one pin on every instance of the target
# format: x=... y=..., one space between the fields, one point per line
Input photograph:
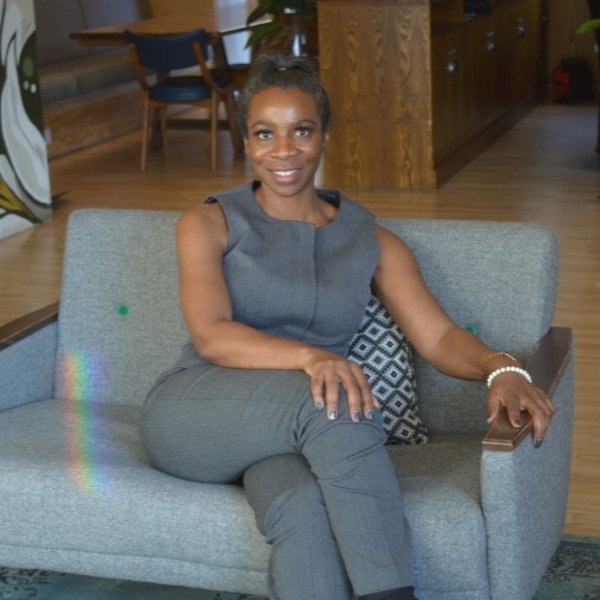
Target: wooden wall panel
x=382 y=69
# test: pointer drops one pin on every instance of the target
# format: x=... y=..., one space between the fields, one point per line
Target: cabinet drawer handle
x=491 y=46
x=452 y=66
x=521 y=29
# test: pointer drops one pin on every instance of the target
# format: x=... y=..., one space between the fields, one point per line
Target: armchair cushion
x=74 y=480
x=443 y=512
x=82 y=463
x=123 y=317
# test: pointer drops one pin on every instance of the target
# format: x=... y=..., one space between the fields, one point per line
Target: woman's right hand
x=328 y=372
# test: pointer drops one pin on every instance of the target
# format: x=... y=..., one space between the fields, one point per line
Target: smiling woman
x=275 y=278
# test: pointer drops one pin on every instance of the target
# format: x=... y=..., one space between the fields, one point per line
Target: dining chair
x=209 y=88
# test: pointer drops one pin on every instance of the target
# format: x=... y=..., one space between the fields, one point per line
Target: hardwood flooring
x=544 y=170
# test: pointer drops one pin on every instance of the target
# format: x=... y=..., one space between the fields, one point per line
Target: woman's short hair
x=275 y=70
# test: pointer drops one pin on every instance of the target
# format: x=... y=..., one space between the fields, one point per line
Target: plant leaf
x=259 y=12
x=265 y=31
x=589 y=26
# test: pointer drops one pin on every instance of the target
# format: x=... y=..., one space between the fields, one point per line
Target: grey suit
x=210 y=424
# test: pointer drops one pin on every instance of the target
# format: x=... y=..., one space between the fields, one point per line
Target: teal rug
x=574 y=574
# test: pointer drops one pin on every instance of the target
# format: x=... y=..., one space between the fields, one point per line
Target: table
x=224 y=20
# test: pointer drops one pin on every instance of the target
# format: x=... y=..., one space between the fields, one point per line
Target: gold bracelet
x=489 y=357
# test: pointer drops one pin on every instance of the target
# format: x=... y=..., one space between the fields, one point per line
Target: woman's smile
x=286 y=176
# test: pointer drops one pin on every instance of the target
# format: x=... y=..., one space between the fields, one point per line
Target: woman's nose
x=284 y=147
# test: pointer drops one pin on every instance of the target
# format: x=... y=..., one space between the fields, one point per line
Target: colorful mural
x=24 y=180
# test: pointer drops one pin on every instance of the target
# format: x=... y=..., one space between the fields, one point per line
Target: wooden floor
x=544 y=170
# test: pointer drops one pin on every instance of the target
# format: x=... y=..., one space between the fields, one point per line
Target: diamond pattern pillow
x=386 y=358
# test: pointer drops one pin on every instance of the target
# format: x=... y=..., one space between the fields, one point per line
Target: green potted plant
x=292 y=27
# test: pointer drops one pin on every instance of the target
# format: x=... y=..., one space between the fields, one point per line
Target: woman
x=275 y=277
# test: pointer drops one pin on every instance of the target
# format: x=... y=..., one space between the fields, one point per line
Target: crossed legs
x=290 y=512
x=305 y=561
x=211 y=424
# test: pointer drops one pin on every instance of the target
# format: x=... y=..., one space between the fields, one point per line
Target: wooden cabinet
x=470 y=79
x=450 y=101
x=489 y=70
x=524 y=34
x=417 y=89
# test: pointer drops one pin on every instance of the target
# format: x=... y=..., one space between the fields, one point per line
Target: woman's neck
x=308 y=208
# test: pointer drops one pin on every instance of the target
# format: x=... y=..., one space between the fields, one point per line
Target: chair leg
x=214 y=118
x=236 y=138
x=163 y=132
x=147 y=116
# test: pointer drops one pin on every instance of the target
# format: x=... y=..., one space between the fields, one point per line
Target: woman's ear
x=325 y=142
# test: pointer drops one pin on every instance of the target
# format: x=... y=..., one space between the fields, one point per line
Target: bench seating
x=88 y=94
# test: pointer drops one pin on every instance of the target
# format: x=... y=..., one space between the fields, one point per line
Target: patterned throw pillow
x=385 y=356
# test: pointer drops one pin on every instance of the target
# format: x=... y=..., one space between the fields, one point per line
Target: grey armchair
x=485 y=508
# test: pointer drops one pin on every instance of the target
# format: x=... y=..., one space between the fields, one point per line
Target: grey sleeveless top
x=294 y=280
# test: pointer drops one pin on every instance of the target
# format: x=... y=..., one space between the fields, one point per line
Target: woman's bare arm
x=451 y=349
x=201 y=242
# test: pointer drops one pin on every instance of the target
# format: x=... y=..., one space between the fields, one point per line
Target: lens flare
x=83 y=424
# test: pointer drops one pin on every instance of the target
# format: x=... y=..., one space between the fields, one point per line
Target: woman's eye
x=303 y=131
x=263 y=134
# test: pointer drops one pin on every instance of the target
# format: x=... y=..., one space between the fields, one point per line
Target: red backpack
x=571 y=81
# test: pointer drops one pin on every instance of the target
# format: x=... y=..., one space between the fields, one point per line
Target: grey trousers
x=291 y=514
x=210 y=424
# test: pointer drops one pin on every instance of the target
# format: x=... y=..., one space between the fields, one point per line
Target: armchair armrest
x=24 y=326
x=524 y=492
x=28 y=358
x=546 y=367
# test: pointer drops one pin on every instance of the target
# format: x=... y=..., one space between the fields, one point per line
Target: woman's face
x=285 y=140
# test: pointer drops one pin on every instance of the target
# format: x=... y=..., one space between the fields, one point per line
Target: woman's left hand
x=513 y=392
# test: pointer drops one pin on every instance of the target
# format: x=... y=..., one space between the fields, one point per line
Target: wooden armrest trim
x=23 y=326
x=546 y=367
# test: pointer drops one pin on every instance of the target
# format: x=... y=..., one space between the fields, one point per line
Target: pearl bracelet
x=501 y=370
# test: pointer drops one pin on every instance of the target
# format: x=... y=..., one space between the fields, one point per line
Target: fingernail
x=370 y=415
x=332 y=415
x=356 y=416
x=518 y=423
x=319 y=405
x=537 y=443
